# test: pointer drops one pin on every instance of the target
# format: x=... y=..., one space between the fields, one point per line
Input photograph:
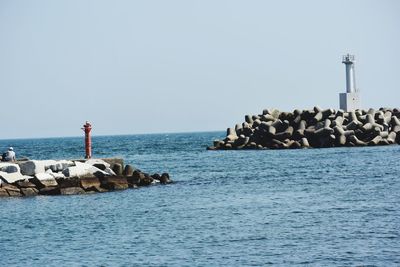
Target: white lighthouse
x=350 y=100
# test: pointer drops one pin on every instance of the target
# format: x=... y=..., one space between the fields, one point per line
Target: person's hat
x=10 y=148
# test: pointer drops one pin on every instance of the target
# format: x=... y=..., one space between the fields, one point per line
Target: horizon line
x=103 y=135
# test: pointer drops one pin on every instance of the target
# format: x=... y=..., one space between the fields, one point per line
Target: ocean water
x=316 y=207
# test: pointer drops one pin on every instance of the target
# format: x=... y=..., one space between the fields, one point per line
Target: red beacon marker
x=87 y=127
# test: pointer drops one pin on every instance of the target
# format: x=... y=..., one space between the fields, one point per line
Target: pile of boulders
x=67 y=177
x=314 y=128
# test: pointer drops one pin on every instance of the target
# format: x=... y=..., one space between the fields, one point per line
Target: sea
x=307 y=207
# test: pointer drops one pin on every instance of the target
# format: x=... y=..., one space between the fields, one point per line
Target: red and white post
x=87 y=127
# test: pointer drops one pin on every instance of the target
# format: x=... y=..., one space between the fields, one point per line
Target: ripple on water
x=313 y=207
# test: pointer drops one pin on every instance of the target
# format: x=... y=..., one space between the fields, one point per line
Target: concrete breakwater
x=67 y=177
x=315 y=128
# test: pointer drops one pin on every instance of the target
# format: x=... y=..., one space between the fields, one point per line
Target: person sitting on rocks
x=9 y=155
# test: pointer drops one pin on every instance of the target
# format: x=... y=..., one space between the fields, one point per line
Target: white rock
x=110 y=172
x=12 y=177
x=98 y=161
x=81 y=169
x=9 y=167
x=46 y=179
x=32 y=167
x=75 y=171
x=48 y=163
x=44 y=176
x=61 y=165
x=56 y=175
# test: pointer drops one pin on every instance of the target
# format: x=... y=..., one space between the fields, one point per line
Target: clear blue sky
x=174 y=66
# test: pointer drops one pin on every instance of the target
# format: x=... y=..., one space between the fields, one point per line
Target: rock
x=232 y=137
x=147 y=180
x=230 y=131
x=117 y=169
x=12 y=177
x=352 y=126
x=340 y=113
x=322 y=128
x=14 y=193
x=68 y=182
x=228 y=146
x=256 y=123
x=238 y=128
x=275 y=113
x=51 y=191
x=44 y=176
x=341 y=140
x=338 y=122
x=326 y=131
x=128 y=170
x=9 y=167
x=82 y=170
x=395 y=121
x=392 y=137
x=156 y=176
x=247 y=131
x=339 y=131
x=356 y=141
x=98 y=163
x=9 y=186
x=285 y=134
x=396 y=128
x=318 y=117
x=56 y=175
x=375 y=141
x=242 y=141
x=304 y=142
x=383 y=142
x=61 y=165
x=135 y=178
x=48 y=163
x=317 y=109
x=43 y=180
x=12 y=190
x=32 y=167
x=384 y=134
x=248 y=119
x=216 y=144
x=72 y=191
x=267 y=117
x=29 y=192
x=110 y=172
x=113 y=161
x=387 y=117
x=90 y=183
x=114 y=183
x=252 y=145
x=25 y=184
x=367 y=127
x=164 y=179
x=271 y=130
x=295 y=145
x=3 y=193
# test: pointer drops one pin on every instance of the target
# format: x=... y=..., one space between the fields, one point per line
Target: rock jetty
x=67 y=177
x=315 y=128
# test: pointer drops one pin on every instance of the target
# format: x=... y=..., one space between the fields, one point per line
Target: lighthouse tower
x=350 y=100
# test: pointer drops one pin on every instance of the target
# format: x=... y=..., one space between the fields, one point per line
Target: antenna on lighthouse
x=350 y=100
